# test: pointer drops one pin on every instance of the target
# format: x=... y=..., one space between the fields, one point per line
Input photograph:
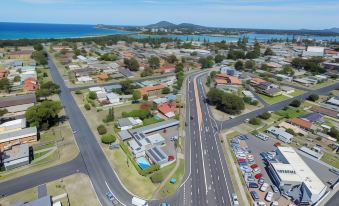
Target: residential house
x=280 y=134
x=256 y=81
x=229 y=79
x=128 y=123
x=3 y=73
x=30 y=85
x=22 y=54
x=13 y=125
x=167 y=109
x=11 y=138
x=302 y=123
x=333 y=101
x=16 y=156
x=151 y=90
x=166 y=69
x=269 y=89
x=230 y=71
x=113 y=98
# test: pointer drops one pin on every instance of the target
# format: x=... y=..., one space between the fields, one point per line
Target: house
x=284 y=77
x=128 y=123
x=3 y=73
x=43 y=201
x=230 y=71
x=229 y=79
x=313 y=51
x=269 y=89
x=296 y=129
x=326 y=111
x=287 y=90
x=166 y=69
x=126 y=72
x=113 y=98
x=256 y=81
x=13 y=125
x=157 y=156
x=167 y=109
x=302 y=123
x=333 y=101
x=18 y=103
x=151 y=90
x=313 y=117
x=114 y=87
x=16 y=156
x=11 y=138
x=22 y=54
x=102 y=76
x=280 y=134
x=30 y=85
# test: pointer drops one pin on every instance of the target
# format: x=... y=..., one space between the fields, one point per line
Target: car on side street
x=235 y=200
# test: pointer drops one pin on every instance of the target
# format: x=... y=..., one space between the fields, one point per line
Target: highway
x=206 y=180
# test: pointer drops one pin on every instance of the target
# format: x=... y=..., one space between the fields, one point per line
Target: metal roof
x=156 y=126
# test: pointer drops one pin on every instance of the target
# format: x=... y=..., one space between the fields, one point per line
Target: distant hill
x=162 y=24
x=334 y=29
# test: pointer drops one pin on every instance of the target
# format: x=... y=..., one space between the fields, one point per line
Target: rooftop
x=17 y=100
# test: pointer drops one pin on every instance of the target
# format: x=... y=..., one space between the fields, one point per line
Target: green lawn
x=151 y=120
x=273 y=100
x=297 y=92
x=40 y=154
x=118 y=110
x=330 y=159
x=291 y=112
x=324 y=84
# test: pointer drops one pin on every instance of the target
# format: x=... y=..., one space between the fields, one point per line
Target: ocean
x=36 y=31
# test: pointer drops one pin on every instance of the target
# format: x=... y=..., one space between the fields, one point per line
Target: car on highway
x=235 y=200
x=274 y=188
x=264 y=187
x=254 y=195
x=191 y=117
x=247 y=120
x=109 y=195
x=74 y=131
x=269 y=196
x=334 y=170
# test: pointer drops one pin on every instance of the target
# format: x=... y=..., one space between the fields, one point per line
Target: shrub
x=288 y=130
x=108 y=138
x=92 y=95
x=78 y=92
x=265 y=115
x=295 y=103
x=87 y=106
x=313 y=97
x=157 y=177
x=102 y=129
x=255 y=121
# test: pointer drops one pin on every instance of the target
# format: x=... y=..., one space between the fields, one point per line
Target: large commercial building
x=11 y=138
x=295 y=178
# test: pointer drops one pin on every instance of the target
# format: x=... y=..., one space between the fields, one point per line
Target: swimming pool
x=143 y=163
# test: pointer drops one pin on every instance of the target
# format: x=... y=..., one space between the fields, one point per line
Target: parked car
x=334 y=170
x=264 y=187
x=254 y=195
x=243 y=137
x=261 y=203
x=253 y=185
x=256 y=170
x=269 y=196
x=261 y=181
x=275 y=188
x=235 y=200
x=262 y=136
x=275 y=203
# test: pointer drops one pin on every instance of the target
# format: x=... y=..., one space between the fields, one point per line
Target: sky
x=274 y=14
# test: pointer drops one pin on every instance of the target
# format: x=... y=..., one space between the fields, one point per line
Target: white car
x=235 y=200
x=264 y=187
x=269 y=196
x=275 y=203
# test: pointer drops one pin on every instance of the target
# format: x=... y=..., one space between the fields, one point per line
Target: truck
x=139 y=202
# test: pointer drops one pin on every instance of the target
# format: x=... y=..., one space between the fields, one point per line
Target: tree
x=219 y=58
x=108 y=57
x=249 y=64
x=44 y=114
x=102 y=129
x=179 y=68
x=313 y=97
x=92 y=95
x=40 y=57
x=165 y=90
x=127 y=86
x=180 y=78
x=87 y=106
x=239 y=65
x=206 y=62
x=291 y=131
x=255 y=121
x=108 y=138
x=38 y=47
x=145 y=97
x=110 y=116
x=5 y=84
x=269 y=52
x=172 y=59
x=287 y=70
x=3 y=112
x=47 y=89
x=136 y=95
x=132 y=64
x=334 y=132
x=295 y=103
x=226 y=102
x=264 y=67
x=298 y=63
x=265 y=115
x=147 y=72
x=154 y=62
x=17 y=79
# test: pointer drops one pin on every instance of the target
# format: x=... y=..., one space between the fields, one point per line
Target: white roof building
x=334 y=101
x=292 y=171
x=280 y=134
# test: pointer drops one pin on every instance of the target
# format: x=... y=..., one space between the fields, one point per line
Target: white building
x=295 y=178
x=280 y=134
x=313 y=51
x=113 y=98
x=13 y=125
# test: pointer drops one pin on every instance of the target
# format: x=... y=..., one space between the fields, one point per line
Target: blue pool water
x=143 y=163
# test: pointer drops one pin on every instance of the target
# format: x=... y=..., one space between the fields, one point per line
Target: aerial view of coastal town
x=169 y=103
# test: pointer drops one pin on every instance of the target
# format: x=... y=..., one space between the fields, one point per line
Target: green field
x=330 y=159
x=291 y=112
x=273 y=100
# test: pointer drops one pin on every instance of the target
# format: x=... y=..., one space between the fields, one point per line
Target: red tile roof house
x=151 y=90
x=303 y=124
x=167 y=109
x=257 y=81
x=30 y=85
x=229 y=79
x=166 y=69
x=3 y=73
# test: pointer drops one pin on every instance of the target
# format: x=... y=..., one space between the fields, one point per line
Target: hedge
x=108 y=138
x=145 y=172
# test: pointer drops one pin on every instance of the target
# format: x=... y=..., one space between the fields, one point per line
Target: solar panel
x=156 y=150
